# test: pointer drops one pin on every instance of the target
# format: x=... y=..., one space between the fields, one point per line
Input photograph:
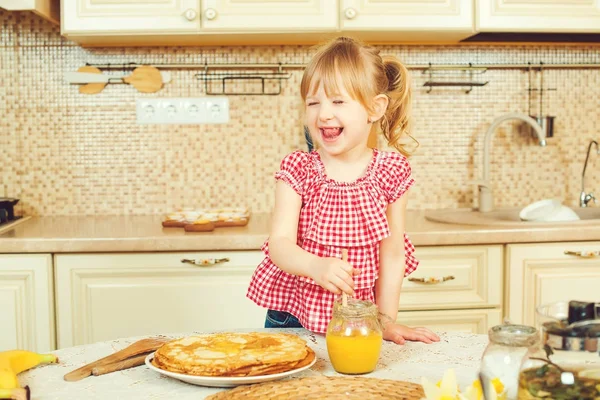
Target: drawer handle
x=205 y=262
x=431 y=280
x=586 y=254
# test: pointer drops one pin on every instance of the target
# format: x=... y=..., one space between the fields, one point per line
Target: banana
x=22 y=360
x=13 y=362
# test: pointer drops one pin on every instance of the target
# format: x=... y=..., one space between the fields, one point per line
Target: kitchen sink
x=505 y=216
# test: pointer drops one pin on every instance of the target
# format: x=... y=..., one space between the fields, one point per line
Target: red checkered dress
x=334 y=216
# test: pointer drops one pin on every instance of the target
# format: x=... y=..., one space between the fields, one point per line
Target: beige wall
x=65 y=153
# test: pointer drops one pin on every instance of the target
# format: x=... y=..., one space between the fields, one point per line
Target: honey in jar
x=354 y=337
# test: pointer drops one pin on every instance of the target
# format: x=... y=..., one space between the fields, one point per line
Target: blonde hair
x=364 y=74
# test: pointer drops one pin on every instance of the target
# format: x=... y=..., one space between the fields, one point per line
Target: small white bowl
x=546 y=211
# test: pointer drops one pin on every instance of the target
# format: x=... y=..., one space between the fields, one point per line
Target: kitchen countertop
x=64 y=234
x=461 y=351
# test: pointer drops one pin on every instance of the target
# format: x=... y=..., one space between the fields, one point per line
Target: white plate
x=224 y=381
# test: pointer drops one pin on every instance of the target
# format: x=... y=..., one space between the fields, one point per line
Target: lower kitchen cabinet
x=26 y=296
x=106 y=296
x=464 y=277
x=471 y=321
x=544 y=273
x=455 y=288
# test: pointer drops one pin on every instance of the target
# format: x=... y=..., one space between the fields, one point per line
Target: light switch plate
x=183 y=110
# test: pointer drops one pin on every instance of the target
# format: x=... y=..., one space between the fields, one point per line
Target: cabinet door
x=543 y=273
x=473 y=273
x=27 y=317
x=471 y=321
x=107 y=296
x=406 y=15
x=132 y=16
x=538 y=16
x=269 y=15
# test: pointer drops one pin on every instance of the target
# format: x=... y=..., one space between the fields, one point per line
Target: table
x=461 y=351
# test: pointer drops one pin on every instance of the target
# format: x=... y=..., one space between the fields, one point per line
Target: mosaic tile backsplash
x=65 y=153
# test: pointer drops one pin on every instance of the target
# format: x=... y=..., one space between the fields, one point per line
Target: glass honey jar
x=354 y=337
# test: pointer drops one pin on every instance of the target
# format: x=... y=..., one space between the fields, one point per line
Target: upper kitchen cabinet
x=197 y=22
x=47 y=9
x=408 y=20
x=546 y=16
x=269 y=15
x=105 y=17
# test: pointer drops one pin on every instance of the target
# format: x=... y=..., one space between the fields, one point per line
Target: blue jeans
x=281 y=319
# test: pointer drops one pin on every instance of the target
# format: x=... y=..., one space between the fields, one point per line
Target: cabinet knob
x=210 y=13
x=350 y=13
x=190 y=14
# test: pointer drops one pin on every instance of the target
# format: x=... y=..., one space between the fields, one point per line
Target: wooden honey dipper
x=344 y=295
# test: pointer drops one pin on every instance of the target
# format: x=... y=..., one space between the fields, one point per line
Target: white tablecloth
x=410 y=362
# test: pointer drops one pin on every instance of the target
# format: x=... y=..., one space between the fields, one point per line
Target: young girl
x=346 y=195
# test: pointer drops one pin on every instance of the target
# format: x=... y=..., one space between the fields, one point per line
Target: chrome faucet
x=585 y=198
x=486 y=200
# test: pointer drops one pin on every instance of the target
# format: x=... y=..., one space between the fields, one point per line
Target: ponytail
x=395 y=124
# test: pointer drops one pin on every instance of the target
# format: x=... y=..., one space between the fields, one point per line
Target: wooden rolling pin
x=144 y=346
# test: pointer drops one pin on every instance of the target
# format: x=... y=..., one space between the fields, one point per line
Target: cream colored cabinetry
x=542 y=273
x=406 y=17
x=466 y=295
x=131 y=17
x=470 y=321
x=538 y=16
x=107 y=22
x=107 y=296
x=47 y=9
x=265 y=15
x=197 y=16
x=26 y=296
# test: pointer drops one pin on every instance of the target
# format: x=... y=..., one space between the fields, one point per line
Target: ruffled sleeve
x=395 y=176
x=293 y=170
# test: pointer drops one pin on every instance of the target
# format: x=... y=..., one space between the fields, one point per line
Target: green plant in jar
x=541 y=378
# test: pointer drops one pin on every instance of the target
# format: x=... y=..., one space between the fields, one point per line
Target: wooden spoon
x=91 y=88
x=146 y=79
x=143 y=346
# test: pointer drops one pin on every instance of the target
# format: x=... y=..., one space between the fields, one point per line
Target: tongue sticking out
x=331 y=133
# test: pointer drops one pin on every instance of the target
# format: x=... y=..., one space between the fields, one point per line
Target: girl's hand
x=335 y=275
x=401 y=333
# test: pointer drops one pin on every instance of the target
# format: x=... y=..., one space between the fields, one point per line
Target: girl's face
x=338 y=123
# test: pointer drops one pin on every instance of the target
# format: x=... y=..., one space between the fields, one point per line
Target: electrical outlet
x=193 y=110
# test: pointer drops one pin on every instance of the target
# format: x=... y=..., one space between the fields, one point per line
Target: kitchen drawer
x=472 y=321
x=477 y=278
x=102 y=297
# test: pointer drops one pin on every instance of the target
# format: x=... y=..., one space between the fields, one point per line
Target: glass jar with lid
x=501 y=361
x=566 y=364
x=354 y=337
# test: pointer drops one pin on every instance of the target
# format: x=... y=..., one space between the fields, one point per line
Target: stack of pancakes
x=234 y=354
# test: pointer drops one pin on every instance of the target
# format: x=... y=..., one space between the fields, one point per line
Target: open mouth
x=330 y=134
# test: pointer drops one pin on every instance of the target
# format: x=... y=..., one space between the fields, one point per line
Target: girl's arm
x=331 y=273
x=392 y=263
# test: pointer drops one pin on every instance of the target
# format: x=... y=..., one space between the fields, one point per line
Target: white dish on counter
x=225 y=381
x=548 y=210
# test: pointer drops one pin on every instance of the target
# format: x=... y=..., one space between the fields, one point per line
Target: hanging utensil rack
x=263 y=73
x=263 y=78
x=454 y=80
